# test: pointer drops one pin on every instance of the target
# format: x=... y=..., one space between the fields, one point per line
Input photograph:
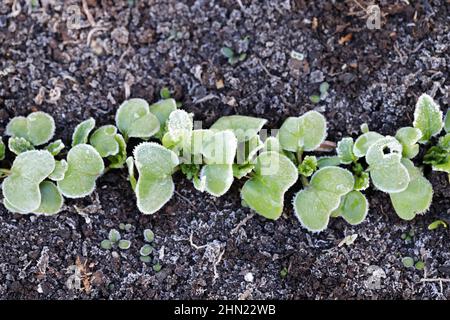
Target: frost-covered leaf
x=364 y=141
x=114 y=236
x=304 y=133
x=134 y=119
x=308 y=166
x=408 y=137
x=124 y=244
x=59 y=171
x=38 y=128
x=21 y=187
x=146 y=250
x=19 y=145
x=55 y=147
x=333 y=161
x=416 y=199
x=104 y=141
x=149 y=236
x=362 y=181
x=85 y=165
x=106 y=244
x=51 y=199
x=315 y=204
x=387 y=172
x=162 y=110
x=117 y=161
x=272 y=144
x=131 y=175
x=240 y=171
x=82 y=131
x=155 y=165
x=179 y=132
x=2 y=149
x=447 y=121
x=219 y=152
x=439 y=155
x=353 y=208
x=427 y=117
x=273 y=175
x=345 y=151
x=243 y=127
x=248 y=150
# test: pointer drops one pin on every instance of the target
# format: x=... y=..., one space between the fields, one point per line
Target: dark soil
x=375 y=76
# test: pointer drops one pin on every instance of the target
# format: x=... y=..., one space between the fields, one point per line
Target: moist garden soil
x=208 y=247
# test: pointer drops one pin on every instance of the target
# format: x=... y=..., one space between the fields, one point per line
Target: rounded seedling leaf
x=117 y=161
x=364 y=141
x=131 y=175
x=38 y=128
x=21 y=187
x=60 y=171
x=408 y=137
x=146 y=250
x=106 y=244
x=416 y=199
x=308 y=166
x=427 y=117
x=155 y=165
x=145 y=259
x=134 y=119
x=82 y=132
x=104 y=141
x=323 y=162
x=315 y=204
x=51 y=199
x=272 y=144
x=149 y=236
x=387 y=172
x=243 y=127
x=353 y=208
x=162 y=110
x=124 y=244
x=345 y=151
x=19 y=145
x=264 y=192
x=305 y=133
x=85 y=165
x=55 y=147
x=2 y=149
x=408 y=262
x=114 y=235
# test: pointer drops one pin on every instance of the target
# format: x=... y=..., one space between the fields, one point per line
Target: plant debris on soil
x=79 y=59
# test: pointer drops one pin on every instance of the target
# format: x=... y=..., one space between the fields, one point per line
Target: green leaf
x=55 y=147
x=304 y=133
x=364 y=141
x=104 y=141
x=447 y=121
x=82 y=131
x=38 y=128
x=114 y=236
x=243 y=127
x=248 y=150
x=60 y=171
x=117 y=161
x=2 y=149
x=162 y=110
x=240 y=171
x=416 y=199
x=155 y=165
x=436 y=224
x=308 y=166
x=315 y=204
x=134 y=119
x=106 y=244
x=353 y=208
x=323 y=162
x=362 y=181
x=85 y=165
x=409 y=137
x=408 y=262
x=273 y=175
x=387 y=172
x=146 y=250
x=345 y=151
x=21 y=187
x=124 y=244
x=51 y=199
x=219 y=152
x=314 y=98
x=272 y=144
x=149 y=236
x=179 y=131
x=227 y=52
x=19 y=145
x=364 y=128
x=427 y=117
x=131 y=176
x=164 y=93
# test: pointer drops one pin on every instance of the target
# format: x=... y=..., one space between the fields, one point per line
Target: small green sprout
x=55 y=147
x=84 y=166
x=232 y=57
x=364 y=128
x=157 y=267
x=164 y=93
x=2 y=149
x=114 y=238
x=124 y=244
x=438 y=156
x=315 y=204
x=304 y=133
x=284 y=272
x=125 y=227
x=82 y=132
x=155 y=165
x=348 y=240
x=106 y=244
x=149 y=236
x=345 y=151
x=408 y=262
x=308 y=166
x=314 y=98
x=436 y=224
x=104 y=141
x=324 y=86
x=427 y=118
x=19 y=145
x=38 y=128
x=134 y=120
x=146 y=250
x=420 y=265
x=273 y=175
